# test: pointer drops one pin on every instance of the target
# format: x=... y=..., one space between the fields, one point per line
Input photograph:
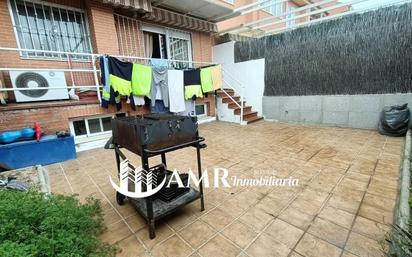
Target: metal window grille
x=175 y=43
x=274 y=9
x=179 y=50
x=290 y=23
x=44 y=26
x=129 y=35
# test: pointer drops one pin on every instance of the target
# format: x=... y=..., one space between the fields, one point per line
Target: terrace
x=301 y=99
x=343 y=205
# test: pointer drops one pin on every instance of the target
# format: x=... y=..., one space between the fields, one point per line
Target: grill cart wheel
x=120 y=198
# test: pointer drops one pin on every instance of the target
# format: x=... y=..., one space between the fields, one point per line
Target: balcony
x=210 y=10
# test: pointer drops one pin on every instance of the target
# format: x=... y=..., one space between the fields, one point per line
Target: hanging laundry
x=108 y=94
x=111 y=98
x=206 y=79
x=159 y=83
x=120 y=78
x=159 y=63
x=193 y=92
x=141 y=79
x=158 y=107
x=139 y=100
x=104 y=67
x=189 y=109
x=191 y=79
x=217 y=77
x=176 y=91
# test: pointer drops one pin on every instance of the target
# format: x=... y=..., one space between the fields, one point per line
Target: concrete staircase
x=228 y=110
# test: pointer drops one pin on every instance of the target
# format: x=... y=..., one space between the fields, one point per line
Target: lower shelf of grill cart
x=161 y=208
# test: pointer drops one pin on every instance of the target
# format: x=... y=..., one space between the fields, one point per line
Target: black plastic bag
x=394 y=120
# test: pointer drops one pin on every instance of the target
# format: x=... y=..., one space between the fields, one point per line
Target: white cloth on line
x=159 y=95
x=138 y=100
x=176 y=91
x=189 y=108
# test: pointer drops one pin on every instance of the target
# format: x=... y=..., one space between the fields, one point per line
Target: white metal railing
x=335 y=16
x=271 y=18
x=240 y=91
x=93 y=57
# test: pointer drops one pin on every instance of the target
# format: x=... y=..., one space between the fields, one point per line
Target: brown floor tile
x=344 y=203
x=270 y=206
x=266 y=245
x=358 y=176
x=256 y=218
x=307 y=206
x=284 y=233
x=339 y=217
x=295 y=254
x=363 y=246
x=354 y=184
x=239 y=233
x=131 y=247
x=348 y=254
x=162 y=232
x=219 y=246
x=184 y=216
x=197 y=233
x=116 y=232
x=383 y=203
x=329 y=232
x=376 y=214
x=217 y=218
x=136 y=222
x=172 y=247
x=348 y=193
x=371 y=229
x=296 y=217
x=382 y=191
x=363 y=166
x=110 y=216
x=233 y=208
x=310 y=246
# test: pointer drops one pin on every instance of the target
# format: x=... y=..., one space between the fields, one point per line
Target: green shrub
x=35 y=225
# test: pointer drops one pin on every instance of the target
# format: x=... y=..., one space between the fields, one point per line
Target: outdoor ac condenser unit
x=46 y=80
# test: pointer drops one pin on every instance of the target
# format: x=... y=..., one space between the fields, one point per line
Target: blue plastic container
x=50 y=149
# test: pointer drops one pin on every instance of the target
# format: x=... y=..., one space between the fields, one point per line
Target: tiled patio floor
x=343 y=205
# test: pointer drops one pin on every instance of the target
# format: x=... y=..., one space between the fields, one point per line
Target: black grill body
x=153 y=131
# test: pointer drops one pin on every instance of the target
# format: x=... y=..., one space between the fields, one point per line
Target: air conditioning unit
x=46 y=80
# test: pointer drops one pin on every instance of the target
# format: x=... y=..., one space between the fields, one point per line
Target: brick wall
x=102 y=28
x=11 y=59
x=55 y=116
x=129 y=36
x=54 y=119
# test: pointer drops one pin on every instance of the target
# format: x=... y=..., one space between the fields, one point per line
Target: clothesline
x=165 y=88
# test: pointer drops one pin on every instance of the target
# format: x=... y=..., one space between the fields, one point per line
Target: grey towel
x=159 y=79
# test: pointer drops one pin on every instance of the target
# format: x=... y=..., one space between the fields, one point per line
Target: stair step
x=226 y=99
x=245 y=109
x=249 y=114
x=223 y=94
x=253 y=119
x=233 y=105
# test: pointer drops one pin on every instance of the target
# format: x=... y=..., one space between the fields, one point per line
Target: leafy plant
x=35 y=225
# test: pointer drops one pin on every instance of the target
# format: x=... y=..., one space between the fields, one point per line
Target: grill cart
x=152 y=135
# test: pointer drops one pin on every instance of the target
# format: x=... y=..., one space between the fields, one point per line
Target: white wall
x=251 y=74
x=354 y=111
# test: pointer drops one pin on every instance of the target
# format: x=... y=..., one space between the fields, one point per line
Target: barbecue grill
x=151 y=135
